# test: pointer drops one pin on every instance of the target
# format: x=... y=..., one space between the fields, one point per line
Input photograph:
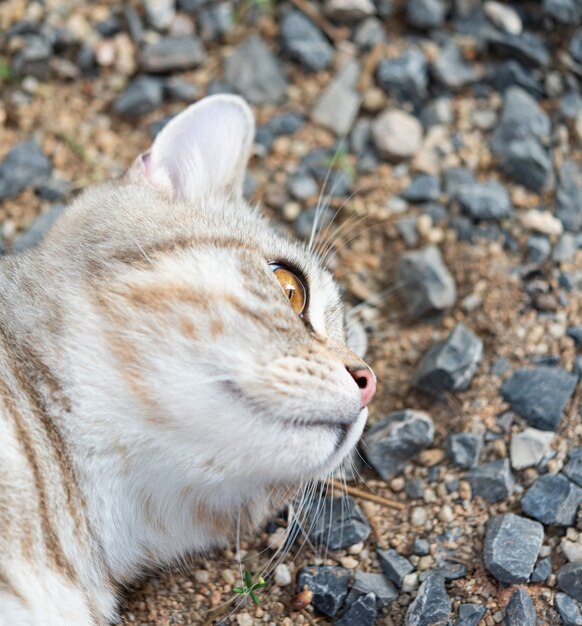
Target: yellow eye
x=292 y=287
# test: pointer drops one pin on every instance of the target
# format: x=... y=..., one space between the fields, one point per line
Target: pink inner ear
x=159 y=177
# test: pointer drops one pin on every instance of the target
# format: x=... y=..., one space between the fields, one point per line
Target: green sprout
x=250 y=587
x=5 y=71
x=340 y=161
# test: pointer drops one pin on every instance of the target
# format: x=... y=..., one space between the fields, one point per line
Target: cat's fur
x=155 y=383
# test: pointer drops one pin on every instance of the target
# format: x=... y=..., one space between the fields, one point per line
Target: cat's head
x=229 y=338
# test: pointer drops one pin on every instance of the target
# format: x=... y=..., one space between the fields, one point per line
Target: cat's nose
x=366 y=381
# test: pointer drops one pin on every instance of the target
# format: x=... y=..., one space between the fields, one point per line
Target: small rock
x=143 y=95
x=485 y=201
x=24 y=166
x=410 y=583
x=449 y=365
x=172 y=54
x=179 y=89
x=527 y=47
x=425 y=14
x=457 y=181
x=569 y=578
x=286 y=123
x=384 y=591
x=361 y=613
x=427 y=285
x=542 y=222
x=491 y=481
x=538 y=249
x=329 y=586
x=302 y=186
x=394 y=565
x=33 y=59
x=254 y=72
x=421 y=547
x=414 y=488
x=338 y=104
x=406 y=77
x=567 y=12
x=432 y=605
x=464 y=449
x=423 y=187
x=349 y=10
x=418 y=516
x=576 y=46
x=568 y=610
x=573 y=468
x=470 y=614
x=512 y=545
x=302 y=40
x=539 y=395
x=369 y=33
x=513 y=74
x=338 y=523
x=529 y=447
x=569 y=196
x=503 y=16
x=526 y=162
x=437 y=112
x=565 y=248
x=397 y=134
x=160 y=12
x=553 y=500
x=396 y=439
x=450 y=69
x=542 y=571
x=283 y=575
x=520 y=610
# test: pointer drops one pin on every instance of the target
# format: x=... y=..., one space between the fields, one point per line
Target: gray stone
x=179 y=89
x=52 y=189
x=406 y=77
x=286 y=123
x=216 y=21
x=302 y=186
x=569 y=578
x=361 y=613
x=539 y=395
x=172 y=54
x=568 y=610
x=503 y=16
x=421 y=547
x=369 y=33
x=526 y=162
x=464 y=449
x=143 y=95
x=512 y=545
x=470 y=614
x=553 y=500
x=563 y=11
x=432 y=605
x=349 y=11
x=397 y=135
x=575 y=332
x=396 y=439
x=569 y=196
x=542 y=571
x=427 y=285
x=449 y=365
x=437 y=112
x=450 y=69
x=425 y=14
x=529 y=447
x=160 y=12
x=576 y=46
x=33 y=59
x=254 y=72
x=303 y=41
x=422 y=188
x=485 y=201
x=491 y=481
x=527 y=47
x=339 y=103
x=520 y=610
x=329 y=586
x=538 y=249
x=408 y=231
x=24 y=166
x=457 y=181
x=394 y=565
x=513 y=74
x=384 y=591
x=337 y=523
x=414 y=488
x=571 y=105
x=573 y=468
x=565 y=248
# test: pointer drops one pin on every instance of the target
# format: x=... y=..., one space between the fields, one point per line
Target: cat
x=170 y=368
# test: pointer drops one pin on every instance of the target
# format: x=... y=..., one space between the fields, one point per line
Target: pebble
x=491 y=481
x=240 y=71
x=361 y=613
x=419 y=516
x=567 y=12
x=338 y=523
x=303 y=41
x=421 y=547
x=541 y=222
x=302 y=186
x=573 y=468
x=527 y=163
x=542 y=571
x=520 y=610
x=540 y=395
x=143 y=95
x=422 y=188
x=569 y=196
x=485 y=201
x=396 y=439
x=368 y=33
x=511 y=548
x=405 y=77
x=464 y=449
x=160 y=12
x=529 y=447
x=283 y=576
x=538 y=249
x=338 y=104
x=349 y=11
x=425 y=14
x=366 y=582
x=329 y=586
x=503 y=16
x=428 y=286
x=171 y=54
x=397 y=135
x=569 y=580
x=24 y=166
x=526 y=48
x=470 y=614
x=449 y=365
x=410 y=583
x=432 y=604
x=394 y=565
x=552 y=500
x=450 y=69
x=568 y=610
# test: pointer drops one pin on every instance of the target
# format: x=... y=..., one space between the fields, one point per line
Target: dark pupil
x=290 y=291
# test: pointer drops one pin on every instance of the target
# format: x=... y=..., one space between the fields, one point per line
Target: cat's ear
x=201 y=152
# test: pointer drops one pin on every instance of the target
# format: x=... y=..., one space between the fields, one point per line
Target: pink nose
x=366 y=381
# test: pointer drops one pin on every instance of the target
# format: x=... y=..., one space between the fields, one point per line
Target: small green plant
x=5 y=71
x=250 y=588
x=341 y=161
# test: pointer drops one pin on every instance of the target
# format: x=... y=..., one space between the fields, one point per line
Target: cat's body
x=158 y=390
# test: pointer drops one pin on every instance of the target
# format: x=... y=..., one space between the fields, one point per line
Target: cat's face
x=229 y=337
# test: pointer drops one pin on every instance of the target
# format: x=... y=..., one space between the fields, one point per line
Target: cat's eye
x=292 y=286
